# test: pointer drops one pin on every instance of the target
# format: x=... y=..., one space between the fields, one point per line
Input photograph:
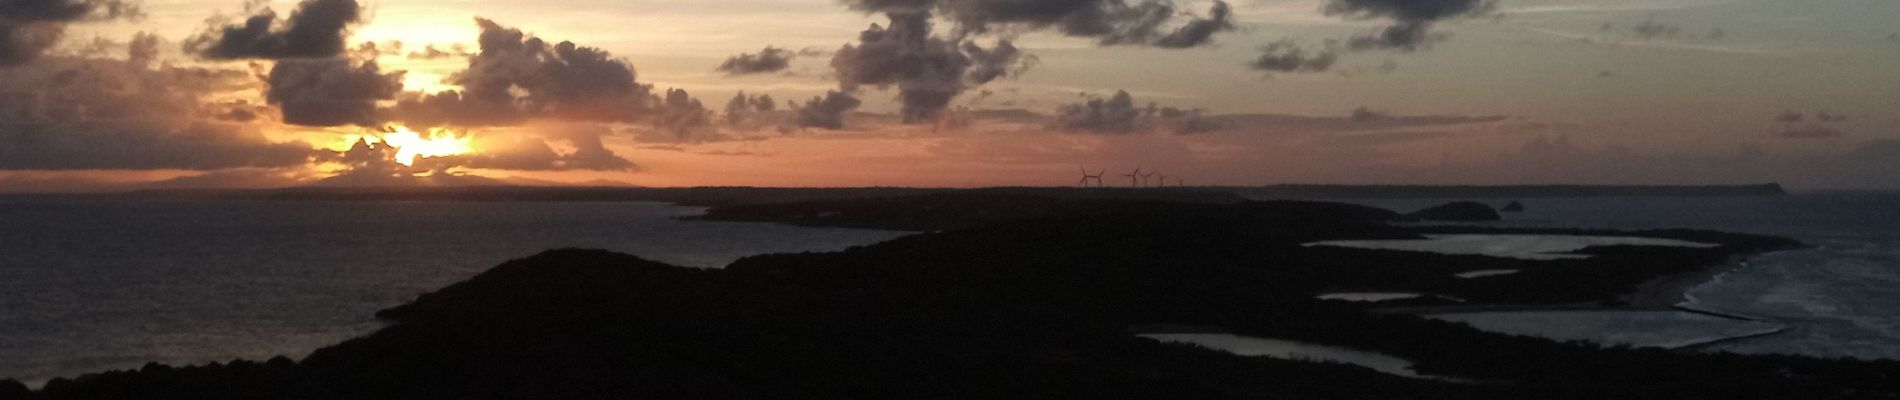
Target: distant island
x=1024 y=294
x=1503 y=191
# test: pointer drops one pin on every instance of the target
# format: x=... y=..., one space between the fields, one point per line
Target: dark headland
x=1013 y=294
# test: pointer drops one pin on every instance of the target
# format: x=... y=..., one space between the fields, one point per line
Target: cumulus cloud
x=928 y=71
x=681 y=115
x=826 y=111
x=741 y=108
x=73 y=114
x=29 y=27
x=516 y=77
x=142 y=50
x=1412 y=20
x=769 y=60
x=535 y=154
x=1119 y=114
x=1112 y=22
x=330 y=92
x=316 y=29
x=1286 y=56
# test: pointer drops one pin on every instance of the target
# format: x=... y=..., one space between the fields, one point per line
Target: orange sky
x=1532 y=91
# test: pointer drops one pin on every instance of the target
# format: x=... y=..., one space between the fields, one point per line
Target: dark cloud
x=681 y=114
x=771 y=59
x=1412 y=20
x=1651 y=29
x=741 y=108
x=141 y=144
x=330 y=92
x=535 y=154
x=63 y=113
x=516 y=77
x=928 y=71
x=1112 y=22
x=29 y=27
x=1790 y=116
x=1716 y=34
x=1118 y=114
x=142 y=50
x=1287 y=57
x=826 y=111
x=1199 y=31
x=316 y=29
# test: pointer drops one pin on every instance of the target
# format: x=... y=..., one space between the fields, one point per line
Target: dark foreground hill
x=1032 y=308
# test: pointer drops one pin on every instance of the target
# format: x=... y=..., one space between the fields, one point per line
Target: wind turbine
x=1097 y=177
x=1144 y=178
x=1161 y=180
x=1133 y=177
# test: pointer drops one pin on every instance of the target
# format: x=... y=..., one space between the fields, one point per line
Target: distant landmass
x=485 y=189
x=1503 y=191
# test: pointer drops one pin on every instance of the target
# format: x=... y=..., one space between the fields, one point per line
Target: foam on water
x=1839 y=298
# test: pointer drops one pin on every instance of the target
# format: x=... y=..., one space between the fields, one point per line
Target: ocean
x=91 y=285
x=1840 y=297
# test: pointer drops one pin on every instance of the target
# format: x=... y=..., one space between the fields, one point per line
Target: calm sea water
x=1841 y=297
x=92 y=285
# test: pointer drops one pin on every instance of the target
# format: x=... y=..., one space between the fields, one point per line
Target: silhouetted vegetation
x=1022 y=305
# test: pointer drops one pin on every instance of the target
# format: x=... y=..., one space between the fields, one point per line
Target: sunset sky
x=127 y=94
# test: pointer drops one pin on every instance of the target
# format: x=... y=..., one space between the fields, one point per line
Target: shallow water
x=1666 y=329
x=1840 y=298
x=1529 y=247
x=93 y=285
x=1369 y=297
x=1290 y=350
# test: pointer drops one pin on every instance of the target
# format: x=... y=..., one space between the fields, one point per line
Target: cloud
x=142 y=50
x=928 y=71
x=771 y=59
x=741 y=108
x=71 y=113
x=316 y=29
x=535 y=154
x=826 y=111
x=431 y=52
x=517 y=77
x=1284 y=56
x=1412 y=20
x=1118 y=114
x=681 y=114
x=330 y=92
x=1796 y=125
x=1650 y=29
x=1111 y=22
x=29 y=27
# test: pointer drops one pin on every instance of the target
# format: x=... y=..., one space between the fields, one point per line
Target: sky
x=100 y=95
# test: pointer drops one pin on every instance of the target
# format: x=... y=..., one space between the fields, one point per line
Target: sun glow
x=410 y=145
